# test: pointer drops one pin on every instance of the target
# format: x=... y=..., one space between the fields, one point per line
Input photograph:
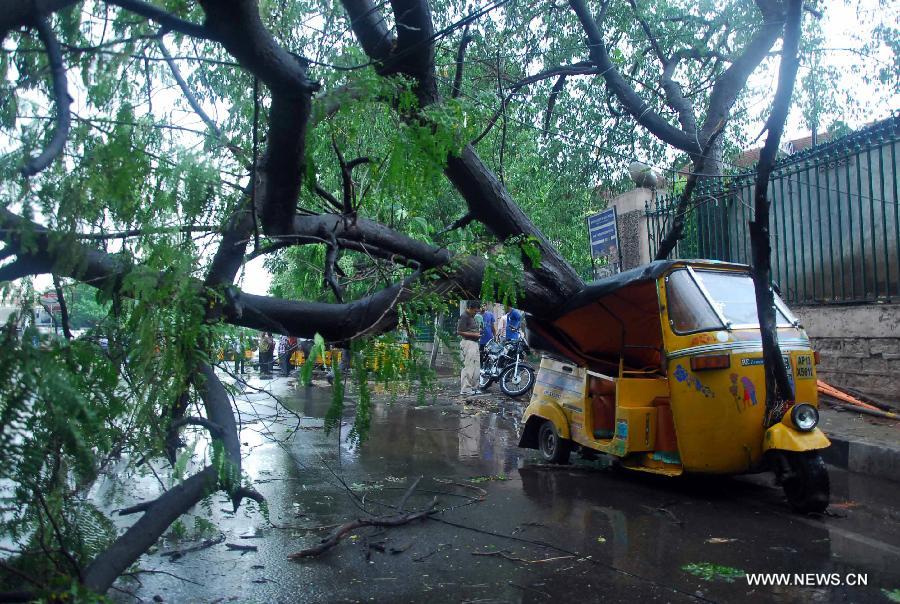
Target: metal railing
x=834 y=218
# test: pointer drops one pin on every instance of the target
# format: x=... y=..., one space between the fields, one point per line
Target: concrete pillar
x=634 y=234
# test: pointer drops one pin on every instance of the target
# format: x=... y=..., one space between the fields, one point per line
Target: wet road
x=515 y=530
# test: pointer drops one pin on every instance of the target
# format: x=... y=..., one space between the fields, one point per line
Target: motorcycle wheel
x=516 y=385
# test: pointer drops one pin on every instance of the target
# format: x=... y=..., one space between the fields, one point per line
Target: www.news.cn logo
x=808 y=579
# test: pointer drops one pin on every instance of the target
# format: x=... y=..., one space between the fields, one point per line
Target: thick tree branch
x=778 y=386
x=370 y=28
x=229 y=256
x=675 y=96
x=238 y=26
x=164 y=18
x=332 y=201
x=63 y=308
x=160 y=513
x=331 y=256
x=729 y=85
x=456 y=89
x=413 y=53
x=21 y=268
x=551 y=103
x=16 y=13
x=627 y=96
x=61 y=98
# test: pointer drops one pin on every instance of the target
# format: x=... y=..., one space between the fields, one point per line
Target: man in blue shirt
x=487 y=328
x=513 y=323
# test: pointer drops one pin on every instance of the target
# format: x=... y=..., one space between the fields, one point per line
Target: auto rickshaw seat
x=602 y=393
x=601 y=386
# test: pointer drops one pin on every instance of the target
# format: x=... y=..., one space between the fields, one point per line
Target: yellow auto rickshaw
x=664 y=372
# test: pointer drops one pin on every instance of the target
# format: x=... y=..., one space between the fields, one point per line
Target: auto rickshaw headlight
x=804 y=417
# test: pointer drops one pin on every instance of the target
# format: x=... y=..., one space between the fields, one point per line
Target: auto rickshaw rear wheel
x=553 y=447
x=806 y=483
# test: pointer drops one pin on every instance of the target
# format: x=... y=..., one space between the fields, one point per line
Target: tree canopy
x=381 y=158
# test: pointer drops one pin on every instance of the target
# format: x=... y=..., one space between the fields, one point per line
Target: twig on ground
x=236 y=547
x=178 y=553
x=386 y=521
x=142 y=571
x=505 y=554
x=408 y=492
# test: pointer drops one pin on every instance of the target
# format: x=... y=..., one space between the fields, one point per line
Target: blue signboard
x=604 y=235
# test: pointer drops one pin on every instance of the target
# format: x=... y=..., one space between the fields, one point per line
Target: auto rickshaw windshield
x=701 y=300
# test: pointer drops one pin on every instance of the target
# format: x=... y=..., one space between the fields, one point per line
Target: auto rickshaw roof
x=613 y=316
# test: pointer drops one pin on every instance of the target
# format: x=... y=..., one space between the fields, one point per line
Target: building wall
x=859 y=346
x=447 y=358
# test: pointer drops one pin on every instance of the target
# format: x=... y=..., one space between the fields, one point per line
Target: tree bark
x=778 y=387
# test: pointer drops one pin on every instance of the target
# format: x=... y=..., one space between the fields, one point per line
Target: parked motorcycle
x=506 y=362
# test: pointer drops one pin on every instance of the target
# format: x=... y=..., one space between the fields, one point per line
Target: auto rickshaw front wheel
x=805 y=481
x=553 y=447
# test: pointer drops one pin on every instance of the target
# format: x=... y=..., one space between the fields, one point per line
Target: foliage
x=712 y=572
x=85 y=311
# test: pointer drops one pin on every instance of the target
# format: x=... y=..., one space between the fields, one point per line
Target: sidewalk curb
x=864 y=458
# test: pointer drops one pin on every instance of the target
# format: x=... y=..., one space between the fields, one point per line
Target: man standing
x=487 y=329
x=467 y=330
x=266 y=350
x=292 y=348
x=238 y=346
x=513 y=324
x=283 y=355
x=501 y=324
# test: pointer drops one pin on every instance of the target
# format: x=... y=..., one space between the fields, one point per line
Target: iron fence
x=834 y=219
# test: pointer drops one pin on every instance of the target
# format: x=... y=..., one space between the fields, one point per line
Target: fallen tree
x=163 y=219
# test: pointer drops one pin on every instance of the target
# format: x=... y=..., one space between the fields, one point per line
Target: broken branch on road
x=207 y=543
x=343 y=530
x=505 y=554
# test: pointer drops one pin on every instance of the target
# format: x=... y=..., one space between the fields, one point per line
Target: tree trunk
x=779 y=393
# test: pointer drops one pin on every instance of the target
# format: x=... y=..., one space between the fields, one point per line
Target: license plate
x=804 y=367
